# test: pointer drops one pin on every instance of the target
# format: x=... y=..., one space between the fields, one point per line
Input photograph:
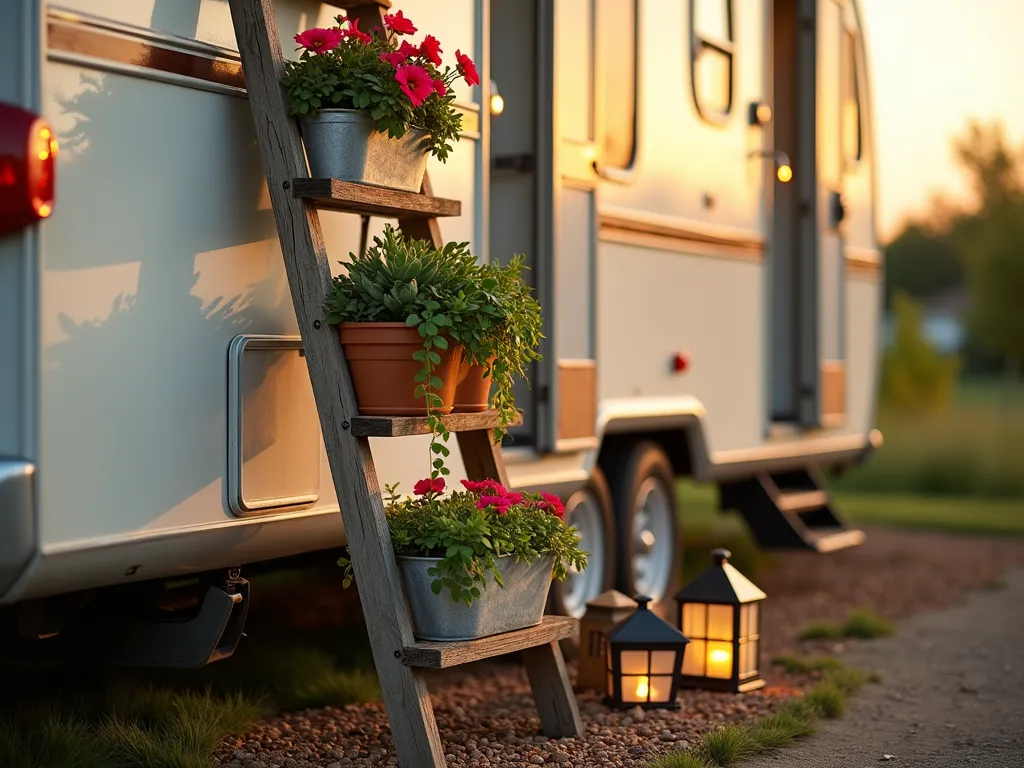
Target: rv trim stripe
x=91 y=41
x=682 y=236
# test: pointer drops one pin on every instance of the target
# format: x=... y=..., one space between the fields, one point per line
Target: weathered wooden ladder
x=399 y=658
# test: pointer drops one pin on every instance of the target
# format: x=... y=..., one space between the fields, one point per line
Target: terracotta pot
x=383 y=372
x=473 y=394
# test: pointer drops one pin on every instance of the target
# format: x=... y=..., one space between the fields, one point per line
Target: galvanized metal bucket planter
x=343 y=144
x=520 y=603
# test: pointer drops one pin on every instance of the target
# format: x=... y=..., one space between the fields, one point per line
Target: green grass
x=796 y=720
x=861 y=623
x=175 y=719
x=972 y=450
x=806 y=665
x=127 y=728
x=955 y=514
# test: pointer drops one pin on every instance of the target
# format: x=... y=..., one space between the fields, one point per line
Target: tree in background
x=992 y=242
x=916 y=379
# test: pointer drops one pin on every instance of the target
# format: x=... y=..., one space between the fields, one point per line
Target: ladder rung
x=442 y=655
x=368 y=200
x=404 y=426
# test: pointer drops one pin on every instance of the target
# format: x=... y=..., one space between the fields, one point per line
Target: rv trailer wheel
x=643 y=489
x=589 y=510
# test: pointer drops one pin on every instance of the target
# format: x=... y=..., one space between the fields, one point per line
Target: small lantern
x=643 y=661
x=603 y=612
x=718 y=612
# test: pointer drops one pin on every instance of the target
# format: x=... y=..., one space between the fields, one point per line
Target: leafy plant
x=469 y=530
x=449 y=299
x=402 y=86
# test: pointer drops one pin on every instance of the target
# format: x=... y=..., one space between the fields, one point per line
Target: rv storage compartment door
x=273 y=427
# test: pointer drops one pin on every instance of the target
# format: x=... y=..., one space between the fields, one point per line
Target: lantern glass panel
x=663 y=662
x=750 y=667
x=634 y=662
x=720 y=661
x=693 y=659
x=745 y=659
x=753 y=619
x=661 y=688
x=719 y=622
x=639 y=689
x=694 y=624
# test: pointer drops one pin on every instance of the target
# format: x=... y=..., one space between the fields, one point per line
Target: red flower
x=482 y=486
x=430 y=49
x=414 y=82
x=398 y=24
x=500 y=503
x=514 y=498
x=428 y=486
x=319 y=40
x=552 y=503
x=394 y=59
x=353 y=31
x=408 y=50
x=467 y=68
x=440 y=88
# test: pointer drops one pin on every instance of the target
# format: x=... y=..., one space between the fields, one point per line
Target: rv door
x=567 y=224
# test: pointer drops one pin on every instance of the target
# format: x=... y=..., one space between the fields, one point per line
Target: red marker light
x=680 y=362
x=28 y=150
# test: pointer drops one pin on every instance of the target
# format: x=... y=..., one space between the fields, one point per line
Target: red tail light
x=28 y=150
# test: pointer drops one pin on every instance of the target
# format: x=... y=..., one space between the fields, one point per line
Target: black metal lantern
x=719 y=613
x=643 y=660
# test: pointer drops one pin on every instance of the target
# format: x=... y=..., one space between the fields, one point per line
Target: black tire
x=596 y=489
x=629 y=474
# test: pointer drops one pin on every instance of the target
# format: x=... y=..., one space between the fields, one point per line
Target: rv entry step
x=789 y=510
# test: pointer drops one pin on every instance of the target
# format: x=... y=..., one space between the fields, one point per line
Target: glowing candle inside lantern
x=719 y=662
x=642 y=688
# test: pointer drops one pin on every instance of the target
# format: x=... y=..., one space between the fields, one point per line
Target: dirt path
x=952 y=693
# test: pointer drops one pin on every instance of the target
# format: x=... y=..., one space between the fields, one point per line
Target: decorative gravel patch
x=485 y=712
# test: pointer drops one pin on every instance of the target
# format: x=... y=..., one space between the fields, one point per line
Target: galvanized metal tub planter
x=519 y=604
x=343 y=144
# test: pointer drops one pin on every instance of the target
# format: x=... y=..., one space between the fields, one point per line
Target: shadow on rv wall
x=164 y=227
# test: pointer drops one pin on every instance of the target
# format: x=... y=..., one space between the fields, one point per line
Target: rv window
x=617 y=52
x=852 y=139
x=711 y=59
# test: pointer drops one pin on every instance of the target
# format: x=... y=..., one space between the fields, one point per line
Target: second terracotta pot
x=383 y=371
x=473 y=394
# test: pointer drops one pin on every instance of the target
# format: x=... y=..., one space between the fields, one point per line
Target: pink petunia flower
x=398 y=24
x=514 y=498
x=430 y=49
x=440 y=88
x=353 y=31
x=484 y=486
x=395 y=59
x=552 y=503
x=319 y=40
x=467 y=68
x=429 y=486
x=500 y=503
x=409 y=50
x=414 y=82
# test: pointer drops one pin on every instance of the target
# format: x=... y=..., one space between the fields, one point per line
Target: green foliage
x=134 y=727
x=866 y=624
x=861 y=623
x=821 y=630
x=828 y=700
x=922 y=262
x=468 y=531
x=915 y=377
x=353 y=76
x=680 y=760
x=308 y=678
x=450 y=299
x=805 y=665
x=729 y=745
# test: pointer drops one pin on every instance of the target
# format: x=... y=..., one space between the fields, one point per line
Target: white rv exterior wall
x=162 y=250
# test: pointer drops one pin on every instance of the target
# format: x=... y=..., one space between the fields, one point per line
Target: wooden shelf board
x=404 y=426
x=452 y=654
x=365 y=199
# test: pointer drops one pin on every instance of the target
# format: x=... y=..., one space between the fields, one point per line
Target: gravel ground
x=950 y=694
x=486 y=716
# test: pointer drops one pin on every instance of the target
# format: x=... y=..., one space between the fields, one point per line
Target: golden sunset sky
x=934 y=64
